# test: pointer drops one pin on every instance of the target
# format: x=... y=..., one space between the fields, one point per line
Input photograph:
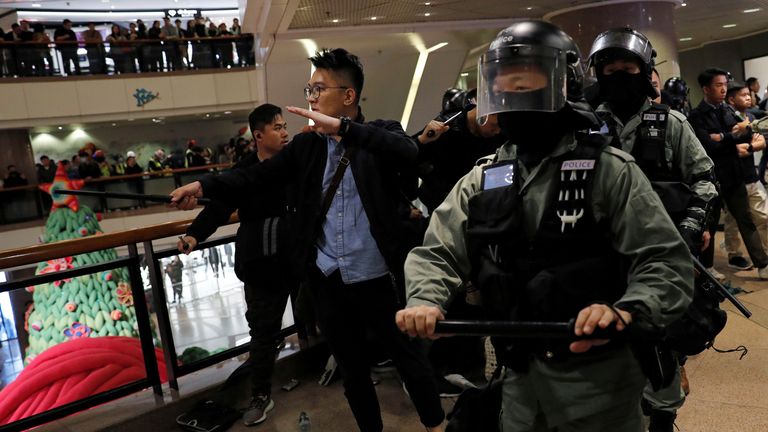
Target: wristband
x=344 y=126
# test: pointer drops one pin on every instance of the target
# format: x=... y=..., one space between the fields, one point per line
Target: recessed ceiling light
x=686 y=39
x=729 y=25
x=227 y=112
x=752 y=10
x=60 y=128
x=465 y=74
x=427 y=14
x=334 y=20
x=373 y=18
x=114 y=124
x=683 y=4
x=529 y=8
x=36 y=5
x=427 y=3
x=112 y=7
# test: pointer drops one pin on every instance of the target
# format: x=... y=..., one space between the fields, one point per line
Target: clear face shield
x=521 y=78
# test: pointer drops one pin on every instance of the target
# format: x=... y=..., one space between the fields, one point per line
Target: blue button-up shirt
x=346 y=243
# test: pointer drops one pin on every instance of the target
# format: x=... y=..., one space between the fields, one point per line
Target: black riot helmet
x=453 y=101
x=530 y=46
x=623 y=43
x=675 y=94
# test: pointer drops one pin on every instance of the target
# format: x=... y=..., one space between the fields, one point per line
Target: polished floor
x=728 y=394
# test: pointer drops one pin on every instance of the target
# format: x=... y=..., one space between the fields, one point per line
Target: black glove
x=692 y=239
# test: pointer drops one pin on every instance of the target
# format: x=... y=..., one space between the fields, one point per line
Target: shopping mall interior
x=154 y=95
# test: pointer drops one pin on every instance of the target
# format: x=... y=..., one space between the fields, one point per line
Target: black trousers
x=345 y=313
x=265 y=299
x=737 y=203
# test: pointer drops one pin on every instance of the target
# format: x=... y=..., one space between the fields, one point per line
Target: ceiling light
x=427 y=14
x=684 y=4
x=36 y=5
x=529 y=8
x=60 y=127
x=373 y=18
x=729 y=25
x=112 y=7
x=114 y=124
x=465 y=74
x=427 y=3
x=752 y=10
x=686 y=39
x=227 y=112
x=335 y=20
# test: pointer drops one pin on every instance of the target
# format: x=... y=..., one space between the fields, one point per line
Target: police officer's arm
x=439 y=268
x=660 y=279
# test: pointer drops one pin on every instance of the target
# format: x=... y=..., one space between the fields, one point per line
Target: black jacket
x=706 y=119
x=384 y=151
x=267 y=201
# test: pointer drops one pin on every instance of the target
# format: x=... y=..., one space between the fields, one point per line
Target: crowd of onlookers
x=163 y=46
x=90 y=162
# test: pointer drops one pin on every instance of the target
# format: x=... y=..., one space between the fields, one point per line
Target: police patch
x=497 y=176
x=649 y=116
x=578 y=165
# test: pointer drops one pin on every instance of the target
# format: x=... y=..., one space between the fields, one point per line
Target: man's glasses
x=314 y=91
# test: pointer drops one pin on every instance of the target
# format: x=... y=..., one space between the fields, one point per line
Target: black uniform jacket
x=384 y=151
x=264 y=202
x=706 y=120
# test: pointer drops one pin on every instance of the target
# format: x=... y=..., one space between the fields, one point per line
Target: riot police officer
x=675 y=94
x=560 y=226
x=666 y=149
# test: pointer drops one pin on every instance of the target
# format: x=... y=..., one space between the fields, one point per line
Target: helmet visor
x=521 y=78
x=629 y=42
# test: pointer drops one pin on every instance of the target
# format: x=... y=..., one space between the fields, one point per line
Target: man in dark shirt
x=46 y=170
x=14 y=178
x=724 y=138
x=739 y=99
x=352 y=251
x=266 y=274
x=65 y=40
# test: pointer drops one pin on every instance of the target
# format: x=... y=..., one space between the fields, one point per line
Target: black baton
x=521 y=329
x=124 y=195
x=431 y=133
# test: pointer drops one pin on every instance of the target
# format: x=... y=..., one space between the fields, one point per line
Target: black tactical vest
x=649 y=149
x=553 y=273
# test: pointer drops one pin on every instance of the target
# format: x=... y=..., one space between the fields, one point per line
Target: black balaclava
x=536 y=133
x=624 y=92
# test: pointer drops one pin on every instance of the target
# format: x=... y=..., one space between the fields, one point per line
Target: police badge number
x=498 y=176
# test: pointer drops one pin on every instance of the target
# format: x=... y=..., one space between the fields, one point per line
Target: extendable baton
x=124 y=195
x=522 y=329
x=431 y=133
x=721 y=290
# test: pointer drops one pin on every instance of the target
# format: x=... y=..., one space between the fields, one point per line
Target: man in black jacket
x=354 y=254
x=266 y=275
x=724 y=138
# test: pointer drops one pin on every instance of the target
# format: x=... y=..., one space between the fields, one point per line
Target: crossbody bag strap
x=345 y=160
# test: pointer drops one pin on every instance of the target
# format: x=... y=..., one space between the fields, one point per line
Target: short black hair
x=750 y=81
x=43 y=157
x=66 y=21
x=342 y=62
x=705 y=78
x=263 y=115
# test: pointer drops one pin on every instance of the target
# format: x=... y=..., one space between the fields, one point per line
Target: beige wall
x=65 y=101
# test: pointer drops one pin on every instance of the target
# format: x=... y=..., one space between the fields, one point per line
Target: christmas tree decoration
x=83 y=306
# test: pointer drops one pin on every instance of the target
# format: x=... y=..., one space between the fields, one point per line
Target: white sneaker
x=717 y=275
x=762 y=273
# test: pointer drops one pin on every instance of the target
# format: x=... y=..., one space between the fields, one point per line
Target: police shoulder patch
x=624 y=156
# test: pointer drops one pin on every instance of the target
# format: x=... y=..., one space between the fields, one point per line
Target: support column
x=653 y=18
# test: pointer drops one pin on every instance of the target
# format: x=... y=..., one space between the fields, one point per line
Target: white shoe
x=459 y=381
x=717 y=275
x=762 y=273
